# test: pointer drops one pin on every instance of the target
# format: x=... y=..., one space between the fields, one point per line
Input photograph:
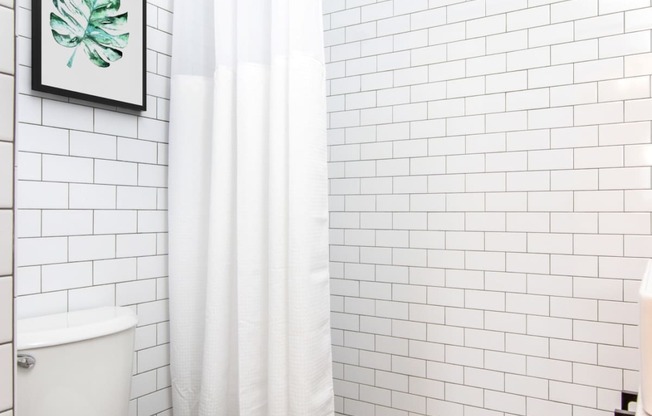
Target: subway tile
x=542 y=407
x=411 y=40
x=66 y=276
x=466 y=11
x=572 y=137
x=466 y=49
x=486 y=26
x=6 y=175
x=612 y=6
x=6 y=367
x=6 y=108
x=152 y=175
x=636 y=110
x=492 y=64
x=610 y=378
x=599 y=157
x=136 y=150
x=502 y=6
x=505 y=402
x=610 y=24
x=550 y=369
x=551 y=34
x=574 y=94
x=41 y=304
x=67 y=169
x=66 y=223
x=426 y=19
x=638 y=65
x=42 y=139
x=394 y=60
x=35 y=251
x=506 y=42
x=599 y=113
x=512 y=363
x=550 y=285
x=624 y=89
x=627 y=44
x=574 y=265
x=66 y=115
x=7 y=41
x=527 y=18
x=529 y=58
x=526 y=386
x=129 y=293
x=90 y=196
x=528 y=99
x=573 y=10
x=31 y=108
x=512 y=81
x=91 y=248
x=554 y=117
x=28 y=223
x=129 y=197
x=550 y=76
x=447 y=70
x=86 y=144
x=598 y=70
x=110 y=122
x=7 y=322
x=635 y=178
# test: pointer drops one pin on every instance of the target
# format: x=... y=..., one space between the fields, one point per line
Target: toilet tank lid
x=65 y=328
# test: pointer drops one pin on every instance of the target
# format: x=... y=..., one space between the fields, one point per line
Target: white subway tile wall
x=91 y=221
x=7 y=83
x=490 y=200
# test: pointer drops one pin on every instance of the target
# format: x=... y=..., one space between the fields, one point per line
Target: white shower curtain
x=249 y=298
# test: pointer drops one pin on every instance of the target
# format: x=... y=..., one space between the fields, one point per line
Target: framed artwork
x=91 y=50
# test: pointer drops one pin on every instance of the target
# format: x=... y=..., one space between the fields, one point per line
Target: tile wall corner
x=7 y=100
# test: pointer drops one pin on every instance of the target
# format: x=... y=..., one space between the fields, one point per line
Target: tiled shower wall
x=91 y=196
x=7 y=41
x=490 y=203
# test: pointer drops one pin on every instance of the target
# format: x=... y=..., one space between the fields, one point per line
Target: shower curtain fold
x=249 y=297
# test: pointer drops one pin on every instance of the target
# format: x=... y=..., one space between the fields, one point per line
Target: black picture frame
x=45 y=81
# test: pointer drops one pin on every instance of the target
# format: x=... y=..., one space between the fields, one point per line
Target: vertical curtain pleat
x=188 y=209
x=249 y=297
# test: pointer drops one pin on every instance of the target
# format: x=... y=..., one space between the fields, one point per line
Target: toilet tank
x=645 y=328
x=82 y=363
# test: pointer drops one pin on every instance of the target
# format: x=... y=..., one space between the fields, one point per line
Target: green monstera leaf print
x=93 y=25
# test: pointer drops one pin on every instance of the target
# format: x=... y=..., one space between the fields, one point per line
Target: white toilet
x=76 y=364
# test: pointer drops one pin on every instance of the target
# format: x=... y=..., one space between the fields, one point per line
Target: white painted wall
x=91 y=226
x=490 y=203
